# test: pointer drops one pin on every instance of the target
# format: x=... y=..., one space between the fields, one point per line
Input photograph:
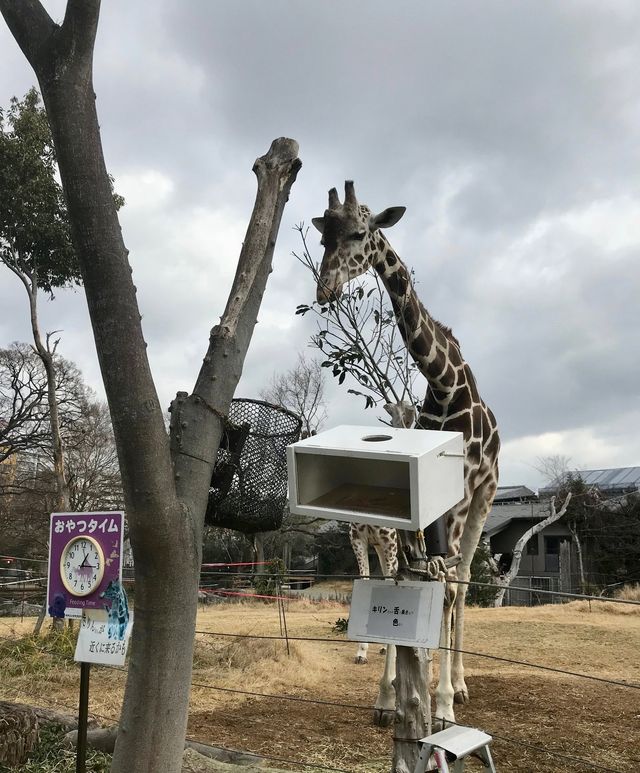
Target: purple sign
x=85 y=555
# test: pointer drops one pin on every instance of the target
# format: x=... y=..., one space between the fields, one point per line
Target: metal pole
x=83 y=718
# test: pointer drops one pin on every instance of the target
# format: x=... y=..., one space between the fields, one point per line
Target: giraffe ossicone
x=353 y=242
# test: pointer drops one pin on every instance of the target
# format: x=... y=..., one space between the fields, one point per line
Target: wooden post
x=413 y=672
x=565 y=567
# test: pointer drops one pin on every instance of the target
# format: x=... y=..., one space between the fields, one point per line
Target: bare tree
x=505 y=581
x=28 y=490
x=166 y=479
x=300 y=390
x=24 y=422
x=556 y=469
x=25 y=426
x=92 y=462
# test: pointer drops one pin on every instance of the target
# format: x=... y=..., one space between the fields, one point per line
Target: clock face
x=82 y=566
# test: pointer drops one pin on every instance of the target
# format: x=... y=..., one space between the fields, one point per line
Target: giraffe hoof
x=383 y=717
x=360 y=660
x=462 y=696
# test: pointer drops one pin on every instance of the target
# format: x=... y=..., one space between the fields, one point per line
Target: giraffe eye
x=357 y=237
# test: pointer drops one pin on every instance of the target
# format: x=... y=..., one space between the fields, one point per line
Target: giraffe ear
x=386 y=218
x=319 y=223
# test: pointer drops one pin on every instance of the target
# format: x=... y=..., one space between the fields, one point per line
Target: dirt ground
x=535 y=716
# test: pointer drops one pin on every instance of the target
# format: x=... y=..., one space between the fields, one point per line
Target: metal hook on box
x=421 y=543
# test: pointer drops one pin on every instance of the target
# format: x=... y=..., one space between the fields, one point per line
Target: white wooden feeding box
x=402 y=478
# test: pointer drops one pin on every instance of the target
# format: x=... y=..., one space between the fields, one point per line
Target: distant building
x=610 y=482
x=510 y=495
x=515 y=510
x=549 y=561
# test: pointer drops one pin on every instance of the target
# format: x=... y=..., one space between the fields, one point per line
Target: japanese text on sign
x=408 y=613
x=385 y=611
x=94 y=644
x=86 y=527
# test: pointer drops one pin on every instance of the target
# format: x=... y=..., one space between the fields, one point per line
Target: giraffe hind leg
x=360 y=546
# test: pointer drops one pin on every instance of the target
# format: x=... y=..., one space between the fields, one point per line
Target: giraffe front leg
x=480 y=505
x=444 y=691
x=361 y=654
x=460 y=689
x=384 y=710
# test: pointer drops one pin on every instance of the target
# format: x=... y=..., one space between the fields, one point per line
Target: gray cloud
x=508 y=130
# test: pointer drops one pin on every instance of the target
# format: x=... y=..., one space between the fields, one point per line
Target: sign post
x=85 y=568
x=83 y=718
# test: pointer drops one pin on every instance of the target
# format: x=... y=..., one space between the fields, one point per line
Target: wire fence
x=542 y=749
x=545 y=750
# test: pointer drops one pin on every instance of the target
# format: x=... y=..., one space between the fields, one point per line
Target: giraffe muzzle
x=326 y=294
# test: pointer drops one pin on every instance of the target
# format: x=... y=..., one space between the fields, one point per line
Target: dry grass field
x=564 y=715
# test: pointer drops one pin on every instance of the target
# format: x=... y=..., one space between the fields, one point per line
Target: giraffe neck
x=432 y=347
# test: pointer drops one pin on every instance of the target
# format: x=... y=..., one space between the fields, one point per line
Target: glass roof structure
x=616 y=479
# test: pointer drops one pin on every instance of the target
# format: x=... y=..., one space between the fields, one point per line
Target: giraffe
x=353 y=242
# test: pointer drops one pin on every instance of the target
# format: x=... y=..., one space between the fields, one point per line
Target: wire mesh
x=249 y=483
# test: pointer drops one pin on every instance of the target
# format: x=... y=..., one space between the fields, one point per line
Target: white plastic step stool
x=459 y=742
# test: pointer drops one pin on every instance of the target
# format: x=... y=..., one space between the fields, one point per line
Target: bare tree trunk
x=576 y=541
x=413 y=677
x=258 y=551
x=505 y=582
x=166 y=482
x=46 y=354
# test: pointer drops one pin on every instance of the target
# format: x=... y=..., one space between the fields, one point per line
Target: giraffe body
x=354 y=243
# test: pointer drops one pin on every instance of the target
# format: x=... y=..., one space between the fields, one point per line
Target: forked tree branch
x=520 y=545
x=30 y=25
x=40 y=37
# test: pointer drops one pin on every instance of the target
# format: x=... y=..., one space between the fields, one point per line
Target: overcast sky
x=510 y=131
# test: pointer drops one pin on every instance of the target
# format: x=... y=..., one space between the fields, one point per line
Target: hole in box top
x=377 y=438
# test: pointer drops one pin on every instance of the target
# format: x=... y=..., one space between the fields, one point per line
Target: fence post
x=565 y=567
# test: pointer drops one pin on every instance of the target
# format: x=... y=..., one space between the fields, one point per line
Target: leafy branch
x=358 y=335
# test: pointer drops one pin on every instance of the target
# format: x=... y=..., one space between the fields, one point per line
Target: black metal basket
x=249 y=483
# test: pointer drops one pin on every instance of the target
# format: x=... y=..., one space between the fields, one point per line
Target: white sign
x=406 y=613
x=99 y=641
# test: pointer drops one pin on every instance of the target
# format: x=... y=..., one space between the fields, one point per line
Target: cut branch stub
x=200 y=426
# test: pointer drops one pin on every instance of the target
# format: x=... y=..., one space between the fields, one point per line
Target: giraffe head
x=348 y=237
x=403 y=414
